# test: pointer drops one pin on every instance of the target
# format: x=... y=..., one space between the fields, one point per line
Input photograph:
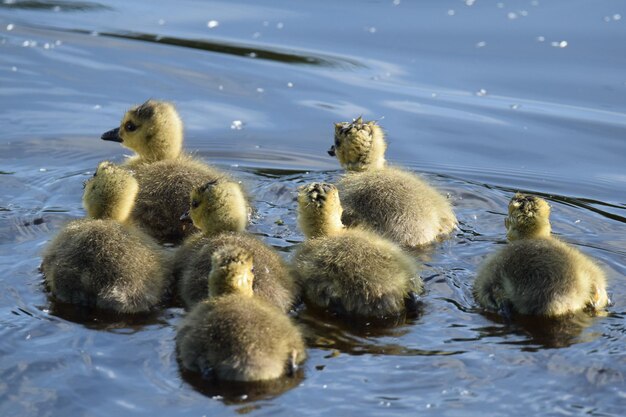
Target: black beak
x=186 y=218
x=331 y=151
x=112 y=135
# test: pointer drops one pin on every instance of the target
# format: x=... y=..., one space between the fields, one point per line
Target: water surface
x=483 y=98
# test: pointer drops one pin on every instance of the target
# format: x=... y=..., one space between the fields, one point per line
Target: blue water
x=483 y=98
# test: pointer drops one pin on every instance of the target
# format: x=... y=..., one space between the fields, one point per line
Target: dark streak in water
x=247 y=51
x=57 y=6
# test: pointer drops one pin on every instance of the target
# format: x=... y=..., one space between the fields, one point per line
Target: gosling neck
x=230 y=280
x=320 y=224
x=541 y=230
x=226 y=212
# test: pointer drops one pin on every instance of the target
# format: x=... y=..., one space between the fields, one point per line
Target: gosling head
x=110 y=193
x=529 y=217
x=153 y=130
x=218 y=206
x=319 y=210
x=232 y=272
x=359 y=146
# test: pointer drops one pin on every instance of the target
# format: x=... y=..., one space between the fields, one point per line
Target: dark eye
x=130 y=126
x=195 y=204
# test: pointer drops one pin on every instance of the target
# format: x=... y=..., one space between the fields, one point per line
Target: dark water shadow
x=542 y=332
x=56 y=6
x=230 y=48
x=327 y=330
x=237 y=392
x=109 y=321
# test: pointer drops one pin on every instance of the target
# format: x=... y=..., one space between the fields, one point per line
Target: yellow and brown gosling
x=393 y=202
x=219 y=210
x=103 y=261
x=535 y=273
x=352 y=272
x=166 y=175
x=235 y=335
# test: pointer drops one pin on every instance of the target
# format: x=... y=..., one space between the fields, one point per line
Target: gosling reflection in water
x=542 y=332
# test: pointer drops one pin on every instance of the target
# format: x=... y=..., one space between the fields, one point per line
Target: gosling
x=218 y=209
x=235 y=335
x=393 y=202
x=352 y=272
x=103 y=261
x=166 y=175
x=537 y=274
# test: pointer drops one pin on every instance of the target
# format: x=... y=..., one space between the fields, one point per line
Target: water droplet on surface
x=10 y=26
x=451 y=12
x=511 y=15
x=252 y=54
x=280 y=25
x=259 y=90
x=14 y=69
x=97 y=107
x=220 y=87
x=46 y=45
x=212 y=24
x=481 y=93
x=514 y=106
x=236 y=125
x=289 y=85
x=617 y=16
x=481 y=44
x=42 y=169
x=562 y=44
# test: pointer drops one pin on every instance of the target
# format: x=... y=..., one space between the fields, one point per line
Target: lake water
x=483 y=98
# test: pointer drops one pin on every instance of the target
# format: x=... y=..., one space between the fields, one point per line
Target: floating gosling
x=393 y=202
x=166 y=175
x=350 y=271
x=535 y=273
x=234 y=334
x=219 y=210
x=103 y=261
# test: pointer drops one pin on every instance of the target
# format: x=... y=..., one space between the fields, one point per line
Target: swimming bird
x=234 y=334
x=391 y=201
x=353 y=272
x=166 y=175
x=536 y=273
x=103 y=261
x=218 y=208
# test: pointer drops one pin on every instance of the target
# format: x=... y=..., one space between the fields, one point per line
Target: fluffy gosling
x=535 y=273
